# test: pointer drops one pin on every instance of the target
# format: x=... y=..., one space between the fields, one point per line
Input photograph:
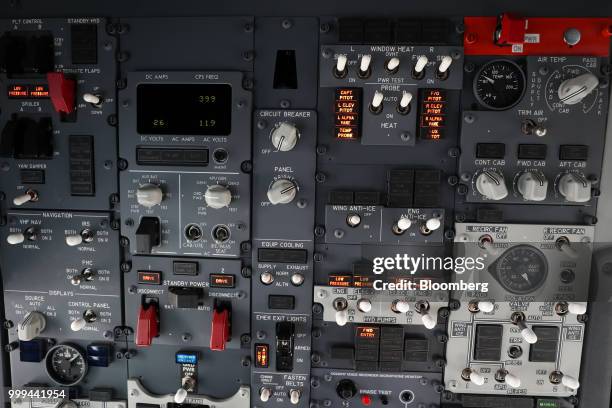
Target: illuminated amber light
x=347 y=113
x=433 y=114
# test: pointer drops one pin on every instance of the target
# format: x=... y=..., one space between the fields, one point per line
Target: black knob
x=346 y=389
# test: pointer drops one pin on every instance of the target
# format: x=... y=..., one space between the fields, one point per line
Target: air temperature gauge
x=499 y=85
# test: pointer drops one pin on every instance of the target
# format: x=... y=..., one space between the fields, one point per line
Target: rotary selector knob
x=491 y=185
x=282 y=191
x=532 y=186
x=149 y=195
x=218 y=196
x=574 y=90
x=575 y=188
x=32 y=325
x=285 y=136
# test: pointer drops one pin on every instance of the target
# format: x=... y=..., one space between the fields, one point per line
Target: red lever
x=220 y=329
x=62 y=92
x=511 y=30
x=148 y=325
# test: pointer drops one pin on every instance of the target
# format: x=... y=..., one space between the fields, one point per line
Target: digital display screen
x=184 y=109
x=186 y=358
x=27 y=91
x=433 y=114
x=347 y=113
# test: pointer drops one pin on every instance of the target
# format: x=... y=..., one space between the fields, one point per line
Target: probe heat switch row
x=62 y=92
x=147 y=326
x=220 y=328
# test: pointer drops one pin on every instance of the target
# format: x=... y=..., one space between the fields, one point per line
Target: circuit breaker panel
x=319 y=211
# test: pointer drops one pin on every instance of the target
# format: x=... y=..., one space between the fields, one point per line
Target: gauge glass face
x=521 y=269
x=499 y=85
x=66 y=364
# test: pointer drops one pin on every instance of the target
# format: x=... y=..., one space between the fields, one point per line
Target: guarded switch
x=282 y=191
x=532 y=186
x=491 y=185
x=284 y=136
x=218 y=196
x=149 y=195
x=62 y=92
x=147 y=326
x=220 y=328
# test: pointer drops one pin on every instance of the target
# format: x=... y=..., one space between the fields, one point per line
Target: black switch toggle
x=148 y=234
x=285 y=332
x=185 y=298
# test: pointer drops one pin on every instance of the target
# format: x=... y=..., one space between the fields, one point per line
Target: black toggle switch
x=285 y=333
x=148 y=234
x=184 y=297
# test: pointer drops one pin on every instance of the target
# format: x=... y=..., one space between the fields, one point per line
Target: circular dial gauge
x=555 y=80
x=521 y=269
x=499 y=85
x=65 y=364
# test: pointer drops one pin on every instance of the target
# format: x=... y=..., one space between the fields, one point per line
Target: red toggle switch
x=220 y=329
x=148 y=325
x=511 y=30
x=62 y=92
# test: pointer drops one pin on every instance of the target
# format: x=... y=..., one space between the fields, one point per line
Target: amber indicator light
x=149 y=278
x=433 y=114
x=222 y=281
x=341 y=281
x=367 y=332
x=348 y=113
x=28 y=91
x=261 y=355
